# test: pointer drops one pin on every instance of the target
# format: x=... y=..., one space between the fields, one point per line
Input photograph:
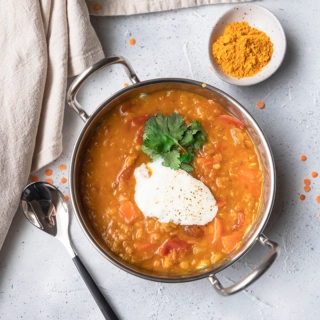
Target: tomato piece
x=138 y=121
x=125 y=174
x=220 y=204
x=231 y=121
x=229 y=242
x=125 y=108
x=194 y=231
x=127 y=170
x=172 y=244
x=128 y=211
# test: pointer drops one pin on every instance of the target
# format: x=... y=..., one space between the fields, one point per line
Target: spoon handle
x=96 y=293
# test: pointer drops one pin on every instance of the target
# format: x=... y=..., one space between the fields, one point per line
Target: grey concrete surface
x=39 y=281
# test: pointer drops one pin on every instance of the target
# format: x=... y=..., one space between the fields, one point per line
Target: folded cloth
x=126 y=7
x=42 y=43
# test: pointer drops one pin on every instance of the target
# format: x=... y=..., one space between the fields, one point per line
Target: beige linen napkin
x=42 y=42
x=126 y=7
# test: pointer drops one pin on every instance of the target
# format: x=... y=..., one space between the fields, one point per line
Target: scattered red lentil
x=302 y=197
x=132 y=41
x=125 y=84
x=260 y=104
x=306 y=188
x=34 y=178
x=48 y=172
x=303 y=157
x=66 y=197
x=97 y=6
x=307 y=181
x=314 y=174
x=63 y=180
x=49 y=180
x=62 y=167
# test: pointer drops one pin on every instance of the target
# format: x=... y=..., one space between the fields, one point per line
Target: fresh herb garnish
x=171 y=139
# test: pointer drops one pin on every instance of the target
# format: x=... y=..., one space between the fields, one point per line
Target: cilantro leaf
x=154 y=155
x=171 y=159
x=170 y=138
x=156 y=135
x=187 y=157
x=195 y=127
x=186 y=167
x=200 y=139
x=187 y=139
x=176 y=126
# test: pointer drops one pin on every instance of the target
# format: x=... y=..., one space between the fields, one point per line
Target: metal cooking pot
x=255 y=235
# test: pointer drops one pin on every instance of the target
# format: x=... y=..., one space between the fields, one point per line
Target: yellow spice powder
x=242 y=51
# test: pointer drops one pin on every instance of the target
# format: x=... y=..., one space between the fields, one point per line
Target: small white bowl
x=262 y=19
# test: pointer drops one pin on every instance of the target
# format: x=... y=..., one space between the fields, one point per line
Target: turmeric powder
x=242 y=51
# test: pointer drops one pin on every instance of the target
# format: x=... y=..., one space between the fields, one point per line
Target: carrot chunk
x=217 y=229
x=229 y=242
x=231 y=121
x=128 y=211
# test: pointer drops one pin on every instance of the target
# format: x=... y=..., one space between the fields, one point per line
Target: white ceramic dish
x=262 y=19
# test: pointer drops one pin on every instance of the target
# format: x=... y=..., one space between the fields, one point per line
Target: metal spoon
x=45 y=207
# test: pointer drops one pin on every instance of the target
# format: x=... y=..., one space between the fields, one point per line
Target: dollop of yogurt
x=173 y=195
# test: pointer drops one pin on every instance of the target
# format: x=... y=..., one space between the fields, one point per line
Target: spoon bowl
x=41 y=202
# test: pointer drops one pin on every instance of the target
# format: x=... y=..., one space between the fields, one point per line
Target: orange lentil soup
x=228 y=164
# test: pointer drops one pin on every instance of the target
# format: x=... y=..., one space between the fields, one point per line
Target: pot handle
x=254 y=275
x=79 y=80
